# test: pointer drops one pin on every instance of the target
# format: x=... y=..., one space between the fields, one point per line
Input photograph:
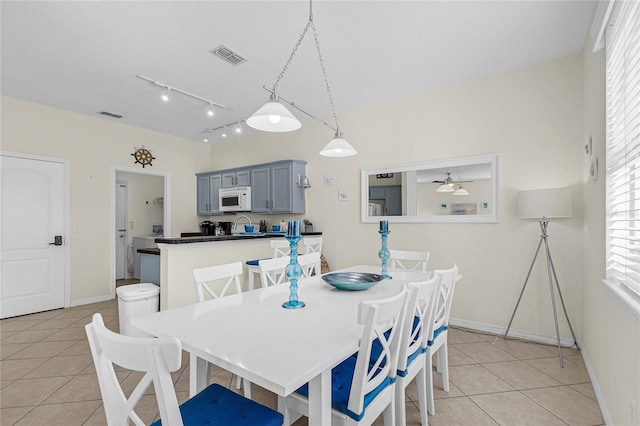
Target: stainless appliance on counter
x=208 y=228
x=224 y=228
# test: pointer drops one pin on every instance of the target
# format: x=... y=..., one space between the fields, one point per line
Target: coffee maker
x=224 y=228
x=208 y=228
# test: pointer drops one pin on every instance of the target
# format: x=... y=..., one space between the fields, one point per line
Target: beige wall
x=93 y=146
x=611 y=336
x=531 y=117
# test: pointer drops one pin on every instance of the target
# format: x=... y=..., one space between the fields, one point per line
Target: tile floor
x=47 y=377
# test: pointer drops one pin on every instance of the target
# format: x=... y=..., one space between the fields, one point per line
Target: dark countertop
x=155 y=251
x=211 y=238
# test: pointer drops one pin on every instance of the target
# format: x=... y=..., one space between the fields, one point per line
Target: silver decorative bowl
x=352 y=281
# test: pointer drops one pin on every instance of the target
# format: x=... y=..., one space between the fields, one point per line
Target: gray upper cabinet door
x=281 y=188
x=288 y=197
x=261 y=190
x=394 y=201
x=236 y=178
x=208 y=186
x=392 y=197
x=215 y=182
x=377 y=193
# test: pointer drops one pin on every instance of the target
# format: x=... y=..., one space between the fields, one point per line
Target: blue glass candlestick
x=293 y=272
x=383 y=254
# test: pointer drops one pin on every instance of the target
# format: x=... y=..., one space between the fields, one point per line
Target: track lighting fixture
x=167 y=89
x=165 y=95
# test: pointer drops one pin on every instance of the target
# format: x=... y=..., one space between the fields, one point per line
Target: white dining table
x=250 y=334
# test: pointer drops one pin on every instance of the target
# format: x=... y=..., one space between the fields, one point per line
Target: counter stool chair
x=280 y=248
x=312 y=244
x=409 y=260
x=203 y=277
x=310 y=264
x=362 y=387
x=272 y=271
x=437 y=335
x=158 y=358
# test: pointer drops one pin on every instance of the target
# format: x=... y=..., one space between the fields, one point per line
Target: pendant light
x=275 y=117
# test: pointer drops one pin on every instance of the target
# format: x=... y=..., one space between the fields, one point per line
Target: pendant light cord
x=326 y=79
x=293 y=53
x=324 y=71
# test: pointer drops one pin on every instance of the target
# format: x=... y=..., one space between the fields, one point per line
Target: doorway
x=147 y=214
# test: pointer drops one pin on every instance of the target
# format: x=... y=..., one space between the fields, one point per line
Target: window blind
x=623 y=145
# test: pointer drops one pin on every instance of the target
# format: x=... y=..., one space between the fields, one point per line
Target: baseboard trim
x=89 y=300
x=604 y=410
x=520 y=334
x=550 y=340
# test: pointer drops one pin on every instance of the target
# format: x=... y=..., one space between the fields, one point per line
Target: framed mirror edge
x=491 y=158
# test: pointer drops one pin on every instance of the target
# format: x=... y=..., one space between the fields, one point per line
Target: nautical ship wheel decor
x=143 y=156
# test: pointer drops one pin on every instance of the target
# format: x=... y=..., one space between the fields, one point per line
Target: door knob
x=57 y=241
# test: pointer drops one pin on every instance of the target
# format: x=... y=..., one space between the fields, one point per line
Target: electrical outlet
x=343 y=195
x=328 y=180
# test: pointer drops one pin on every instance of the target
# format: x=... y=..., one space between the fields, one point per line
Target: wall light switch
x=328 y=180
x=343 y=195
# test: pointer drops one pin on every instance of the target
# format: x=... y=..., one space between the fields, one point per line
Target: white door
x=121 y=229
x=33 y=255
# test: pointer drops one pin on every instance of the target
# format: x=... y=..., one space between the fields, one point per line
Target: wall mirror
x=463 y=189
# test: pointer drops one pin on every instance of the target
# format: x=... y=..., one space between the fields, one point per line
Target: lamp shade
x=273 y=117
x=544 y=203
x=338 y=147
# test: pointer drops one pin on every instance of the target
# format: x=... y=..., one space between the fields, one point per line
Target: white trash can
x=136 y=300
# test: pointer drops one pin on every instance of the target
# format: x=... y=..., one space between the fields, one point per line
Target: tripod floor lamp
x=545 y=204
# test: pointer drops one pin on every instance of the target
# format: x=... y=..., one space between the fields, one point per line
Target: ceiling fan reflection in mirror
x=448 y=184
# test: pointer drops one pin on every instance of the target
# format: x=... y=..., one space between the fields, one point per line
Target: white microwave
x=236 y=199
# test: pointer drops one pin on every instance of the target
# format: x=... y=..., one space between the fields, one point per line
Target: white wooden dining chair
x=362 y=386
x=407 y=260
x=438 y=331
x=310 y=264
x=312 y=244
x=280 y=248
x=413 y=344
x=157 y=358
x=207 y=280
x=272 y=271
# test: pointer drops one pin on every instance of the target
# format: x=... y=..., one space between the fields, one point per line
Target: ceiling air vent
x=110 y=114
x=228 y=55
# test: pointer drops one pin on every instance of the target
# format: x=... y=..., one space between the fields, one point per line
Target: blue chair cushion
x=254 y=262
x=435 y=334
x=217 y=405
x=341 y=378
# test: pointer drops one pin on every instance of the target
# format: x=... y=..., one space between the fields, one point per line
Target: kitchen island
x=180 y=256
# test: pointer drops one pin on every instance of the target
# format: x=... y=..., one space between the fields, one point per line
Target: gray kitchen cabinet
x=390 y=197
x=234 y=178
x=261 y=190
x=275 y=188
x=208 y=186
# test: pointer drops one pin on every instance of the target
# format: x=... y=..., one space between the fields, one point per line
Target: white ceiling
x=84 y=56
